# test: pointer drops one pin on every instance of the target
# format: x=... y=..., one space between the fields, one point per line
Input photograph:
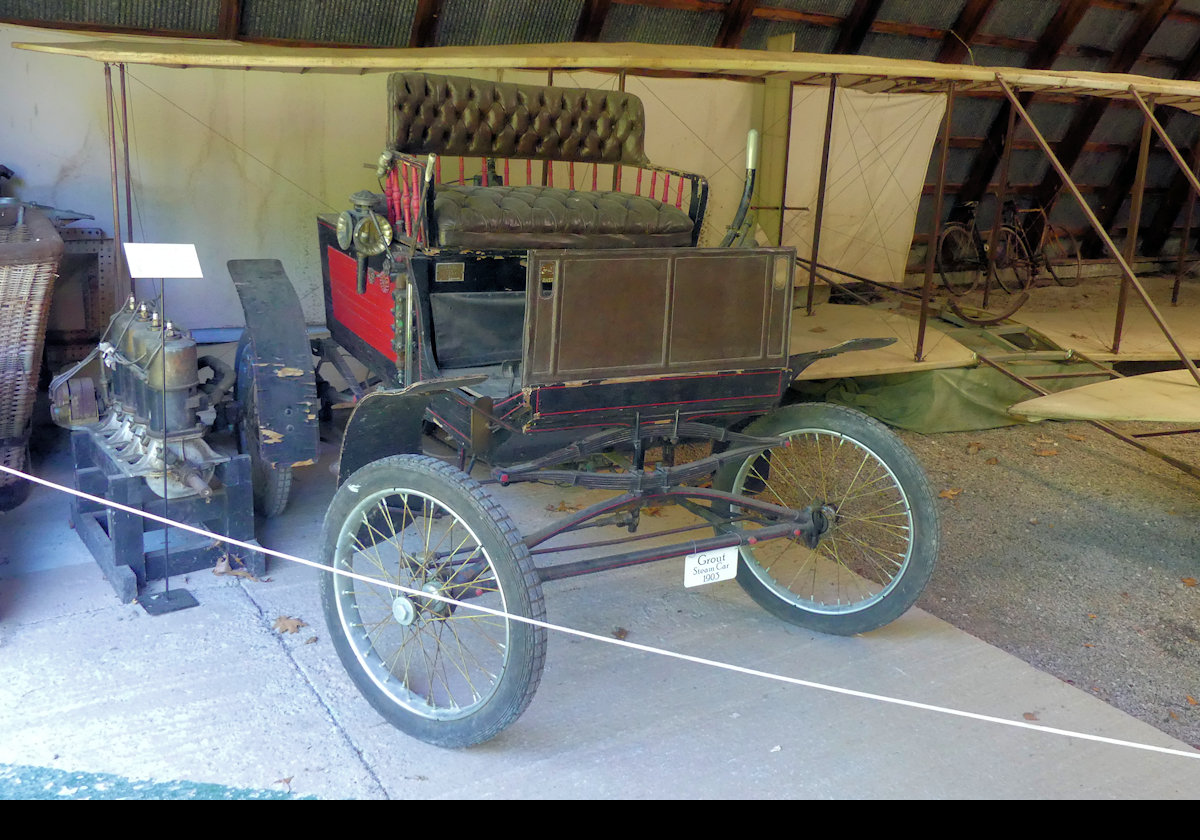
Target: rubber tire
x=891 y=463
x=1012 y=265
x=272 y=485
x=1061 y=253
x=412 y=698
x=958 y=261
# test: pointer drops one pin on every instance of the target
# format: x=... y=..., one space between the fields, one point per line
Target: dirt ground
x=1078 y=554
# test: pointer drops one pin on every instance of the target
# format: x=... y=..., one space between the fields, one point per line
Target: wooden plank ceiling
x=1096 y=138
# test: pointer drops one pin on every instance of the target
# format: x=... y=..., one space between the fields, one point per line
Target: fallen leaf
x=1192 y=701
x=1030 y=716
x=1091 y=615
x=233 y=566
x=1172 y=715
x=1075 y=437
x=652 y=511
x=563 y=507
x=1045 y=441
x=1189 y=581
x=1033 y=521
x=991 y=462
x=973 y=447
x=286 y=624
x=311 y=641
x=1045 y=453
x=620 y=633
x=952 y=493
x=1088 y=645
x=1082 y=337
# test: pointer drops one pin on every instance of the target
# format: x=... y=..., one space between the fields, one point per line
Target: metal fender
x=384 y=423
x=285 y=390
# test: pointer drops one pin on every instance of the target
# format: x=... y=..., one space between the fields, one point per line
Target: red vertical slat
x=571 y=174
x=666 y=186
x=653 y=182
x=639 y=181
x=402 y=220
x=529 y=173
x=483 y=172
x=415 y=198
x=392 y=191
x=679 y=195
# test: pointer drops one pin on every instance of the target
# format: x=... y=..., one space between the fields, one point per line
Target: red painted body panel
x=370 y=315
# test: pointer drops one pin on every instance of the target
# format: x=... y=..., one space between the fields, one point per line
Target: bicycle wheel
x=1010 y=262
x=447 y=675
x=1061 y=253
x=874 y=560
x=958 y=260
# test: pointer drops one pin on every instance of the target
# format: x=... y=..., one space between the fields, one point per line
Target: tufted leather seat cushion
x=450 y=115
x=547 y=217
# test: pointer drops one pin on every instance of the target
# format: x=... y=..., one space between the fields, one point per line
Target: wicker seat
x=29 y=255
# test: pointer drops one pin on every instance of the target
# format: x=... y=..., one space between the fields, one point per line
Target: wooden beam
x=424 y=23
x=1086 y=118
x=229 y=20
x=1055 y=35
x=775 y=127
x=959 y=36
x=591 y=20
x=856 y=26
x=733 y=25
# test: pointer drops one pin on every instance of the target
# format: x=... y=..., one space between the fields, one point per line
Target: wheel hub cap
x=403 y=610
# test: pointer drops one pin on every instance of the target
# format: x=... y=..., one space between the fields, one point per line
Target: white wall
x=240 y=163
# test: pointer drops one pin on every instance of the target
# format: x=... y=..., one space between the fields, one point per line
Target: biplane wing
x=860 y=72
x=1164 y=397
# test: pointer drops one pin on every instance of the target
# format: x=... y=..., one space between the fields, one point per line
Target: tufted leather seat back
x=450 y=115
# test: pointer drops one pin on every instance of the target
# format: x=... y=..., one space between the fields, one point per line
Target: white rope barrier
x=699 y=660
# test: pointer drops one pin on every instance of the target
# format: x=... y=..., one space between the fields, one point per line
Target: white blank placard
x=154 y=259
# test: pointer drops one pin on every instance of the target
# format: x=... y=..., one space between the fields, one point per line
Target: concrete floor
x=92 y=688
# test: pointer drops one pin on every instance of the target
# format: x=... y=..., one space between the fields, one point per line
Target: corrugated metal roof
x=1080 y=62
x=1051 y=119
x=815 y=39
x=508 y=22
x=1018 y=18
x=649 y=25
x=365 y=22
x=921 y=12
x=887 y=45
x=198 y=16
x=984 y=55
x=837 y=8
x=1174 y=39
x=1103 y=28
x=973 y=114
x=1026 y=166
